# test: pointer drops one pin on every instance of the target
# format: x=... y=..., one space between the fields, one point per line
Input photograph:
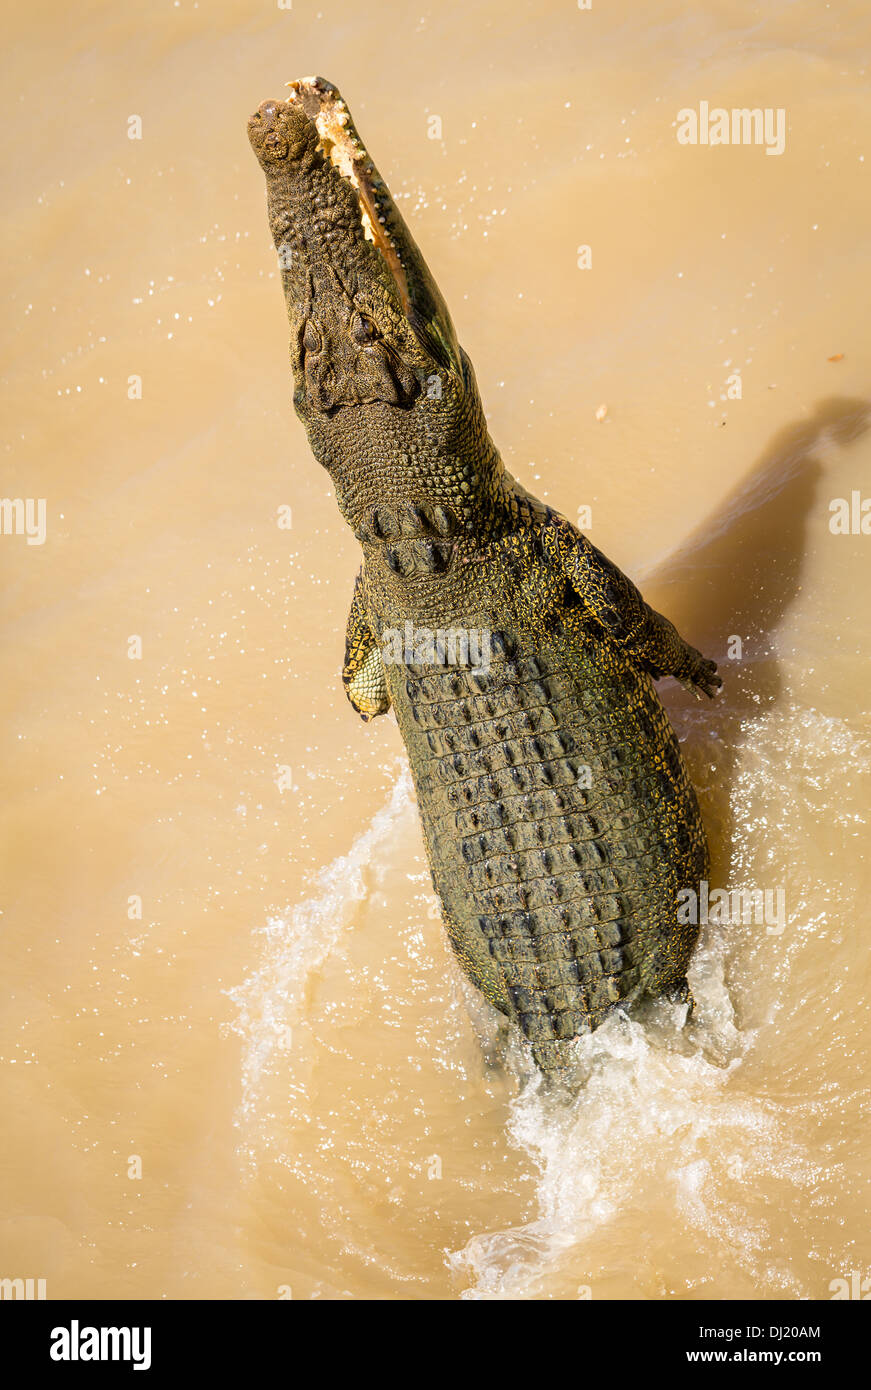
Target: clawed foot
x=700 y=676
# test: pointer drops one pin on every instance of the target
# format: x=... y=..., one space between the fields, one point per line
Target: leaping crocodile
x=559 y=820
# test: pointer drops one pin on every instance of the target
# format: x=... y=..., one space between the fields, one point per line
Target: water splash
x=654 y=1104
x=662 y=1105
x=271 y=999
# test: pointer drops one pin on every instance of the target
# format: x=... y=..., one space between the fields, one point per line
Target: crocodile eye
x=362 y=329
x=311 y=338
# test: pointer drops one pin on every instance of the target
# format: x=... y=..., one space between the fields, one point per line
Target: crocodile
x=559 y=819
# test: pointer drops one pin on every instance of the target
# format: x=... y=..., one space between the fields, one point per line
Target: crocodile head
x=373 y=349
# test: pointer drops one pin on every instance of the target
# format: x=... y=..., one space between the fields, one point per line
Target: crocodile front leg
x=363 y=672
x=613 y=600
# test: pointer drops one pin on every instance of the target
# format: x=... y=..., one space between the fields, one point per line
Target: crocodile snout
x=276 y=130
x=327 y=198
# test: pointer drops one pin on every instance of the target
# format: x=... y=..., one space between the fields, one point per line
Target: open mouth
x=340 y=143
x=310 y=140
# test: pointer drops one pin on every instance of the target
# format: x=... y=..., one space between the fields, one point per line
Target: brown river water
x=237 y=1058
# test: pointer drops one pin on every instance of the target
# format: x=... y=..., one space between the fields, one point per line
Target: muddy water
x=237 y=1057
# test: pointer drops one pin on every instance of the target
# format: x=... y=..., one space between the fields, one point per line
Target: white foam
x=641 y=1128
x=271 y=998
x=663 y=1120
x=658 y=1117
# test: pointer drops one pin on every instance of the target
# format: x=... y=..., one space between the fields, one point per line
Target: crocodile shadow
x=738 y=575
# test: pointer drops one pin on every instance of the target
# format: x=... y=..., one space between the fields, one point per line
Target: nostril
x=267 y=131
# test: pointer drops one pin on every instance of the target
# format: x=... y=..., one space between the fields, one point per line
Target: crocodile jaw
x=330 y=209
x=387 y=397
x=340 y=143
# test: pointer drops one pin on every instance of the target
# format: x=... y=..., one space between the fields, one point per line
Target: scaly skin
x=559 y=820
